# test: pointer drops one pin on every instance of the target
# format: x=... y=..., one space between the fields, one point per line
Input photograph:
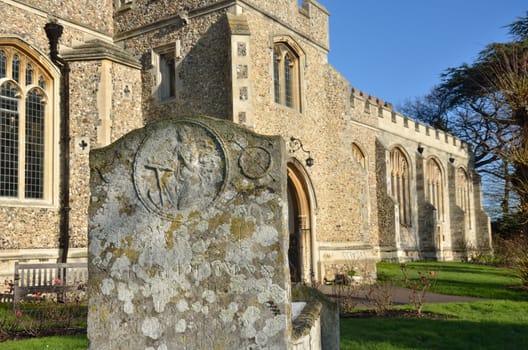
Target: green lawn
x=463 y=279
x=483 y=325
x=51 y=343
x=494 y=324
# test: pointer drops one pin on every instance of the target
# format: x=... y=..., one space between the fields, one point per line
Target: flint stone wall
x=187 y=240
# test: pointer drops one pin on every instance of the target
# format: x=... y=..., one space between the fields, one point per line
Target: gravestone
x=187 y=240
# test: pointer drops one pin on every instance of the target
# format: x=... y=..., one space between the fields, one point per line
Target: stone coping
x=302 y=325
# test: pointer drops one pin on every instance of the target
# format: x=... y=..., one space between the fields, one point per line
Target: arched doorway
x=301 y=249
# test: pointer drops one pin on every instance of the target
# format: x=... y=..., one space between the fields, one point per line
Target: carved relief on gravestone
x=177 y=162
x=187 y=239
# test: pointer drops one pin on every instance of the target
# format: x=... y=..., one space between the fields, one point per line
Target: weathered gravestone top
x=187 y=242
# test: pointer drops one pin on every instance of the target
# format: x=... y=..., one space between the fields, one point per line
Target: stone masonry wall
x=204 y=52
x=86 y=120
x=321 y=126
x=33 y=227
x=93 y=14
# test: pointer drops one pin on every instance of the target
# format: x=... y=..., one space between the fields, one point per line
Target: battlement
x=390 y=120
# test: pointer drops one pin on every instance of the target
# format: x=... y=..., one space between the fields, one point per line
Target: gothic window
x=286 y=76
x=25 y=127
x=462 y=192
x=400 y=184
x=9 y=135
x=359 y=156
x=434 y=191
x=3 y=64
x=276 y=77
x=15 y=70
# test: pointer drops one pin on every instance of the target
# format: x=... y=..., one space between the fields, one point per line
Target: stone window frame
x=42 y=95
x=162 y=88
x=435 y=186
x=463 y=193
x=400 y=183
x=359 y=155
x=123 y=5
x=287 y=53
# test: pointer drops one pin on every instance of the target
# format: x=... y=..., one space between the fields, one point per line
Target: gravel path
x=401 y=296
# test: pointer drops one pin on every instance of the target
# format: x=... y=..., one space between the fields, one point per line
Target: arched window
x=286 y=76
x=400 y=184
x=434 y=191
x=25 y=126
x=358 y=154
x=9 y=135
x=462 y=192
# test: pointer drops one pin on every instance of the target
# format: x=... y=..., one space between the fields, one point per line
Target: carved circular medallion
x=179 y=166
x=255 y=162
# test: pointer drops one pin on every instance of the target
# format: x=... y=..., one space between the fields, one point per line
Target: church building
x=364 y=183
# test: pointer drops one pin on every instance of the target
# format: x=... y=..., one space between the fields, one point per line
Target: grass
x=462 y=279
x=493 y=324
x=482 y=325
x=56 y=343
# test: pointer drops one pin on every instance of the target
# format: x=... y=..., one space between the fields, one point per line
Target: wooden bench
x=36 y=279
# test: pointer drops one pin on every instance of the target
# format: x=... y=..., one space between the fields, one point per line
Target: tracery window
x=434 y=191
x=462 y=192
x=286 y=76
x=400 y=184
x=25 y=127
x=358 y=154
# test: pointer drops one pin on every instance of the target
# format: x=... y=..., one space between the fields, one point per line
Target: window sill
x=124 y=8
x=291 y=109
x=17 y=203
x=166 y=100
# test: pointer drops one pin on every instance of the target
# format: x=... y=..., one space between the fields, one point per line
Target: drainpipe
x=54 y=32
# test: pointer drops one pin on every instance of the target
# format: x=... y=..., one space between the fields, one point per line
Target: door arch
x=301 y=252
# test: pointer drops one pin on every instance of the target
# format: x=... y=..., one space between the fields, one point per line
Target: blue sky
x=397 y=49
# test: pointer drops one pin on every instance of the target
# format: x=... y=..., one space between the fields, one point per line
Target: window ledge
x=165 y=101
x=17 y=203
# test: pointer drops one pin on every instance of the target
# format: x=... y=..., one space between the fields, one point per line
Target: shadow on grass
x=400 y=333
x=487 y=290
x=464 y=268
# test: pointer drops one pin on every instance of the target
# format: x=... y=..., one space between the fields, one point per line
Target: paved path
x=401 y=296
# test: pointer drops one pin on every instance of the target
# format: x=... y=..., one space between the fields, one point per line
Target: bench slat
x=34 y=278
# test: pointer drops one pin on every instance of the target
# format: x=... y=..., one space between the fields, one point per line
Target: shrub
x=379 y=294
x=513 y=252
x=419 y=286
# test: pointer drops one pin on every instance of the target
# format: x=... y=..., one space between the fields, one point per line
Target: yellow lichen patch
x=169 y=239
x=169 y=234
x=175 y=225
x=194 y=215
x=127 y=241
x=132 y=255
x=104 y=313
x=218 y=220
x=116 y=253
x=126 y=207
x=241 y=228
x=153 y=271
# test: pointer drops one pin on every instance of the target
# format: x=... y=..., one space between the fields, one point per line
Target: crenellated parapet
x=387 y=119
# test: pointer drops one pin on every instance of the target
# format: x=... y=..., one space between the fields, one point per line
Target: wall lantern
x=296 y=144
